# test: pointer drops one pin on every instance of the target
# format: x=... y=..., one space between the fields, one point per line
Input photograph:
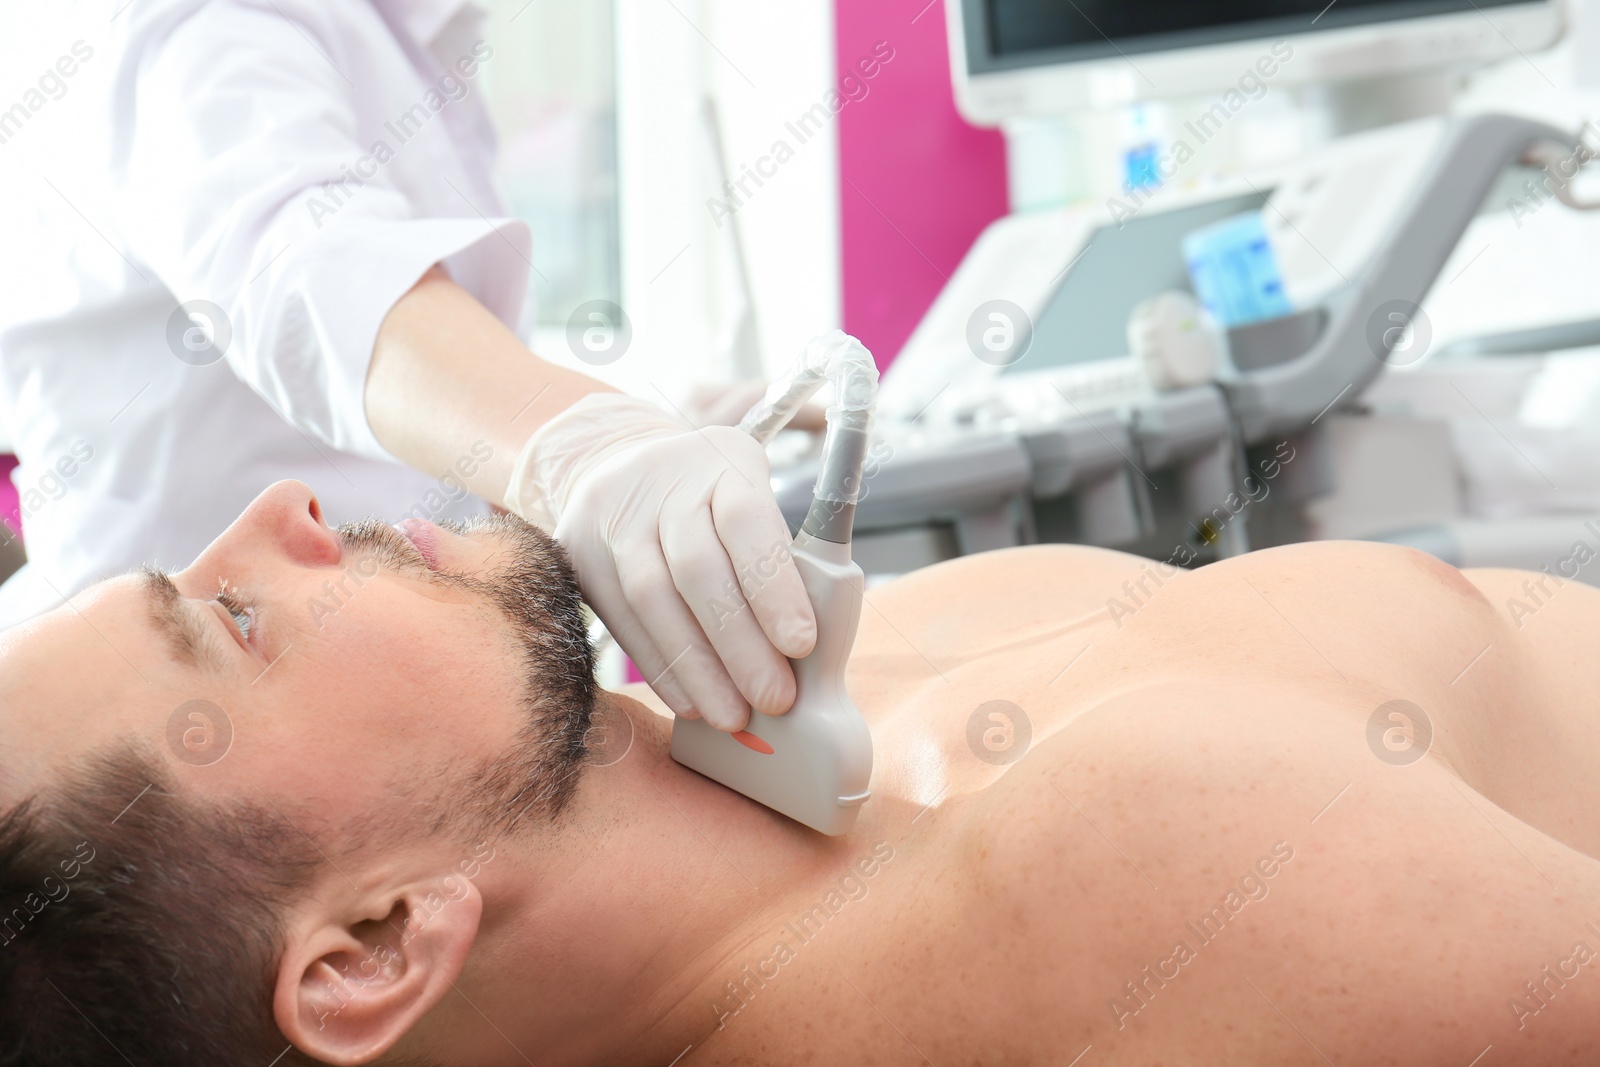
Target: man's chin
x=527 y=577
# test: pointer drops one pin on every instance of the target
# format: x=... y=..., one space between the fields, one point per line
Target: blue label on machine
x=1234 y=271
x=1139 y=167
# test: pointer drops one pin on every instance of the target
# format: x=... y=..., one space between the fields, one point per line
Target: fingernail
x=773 y=709
x=798 y=638
x=776 y=696
x=730 y=720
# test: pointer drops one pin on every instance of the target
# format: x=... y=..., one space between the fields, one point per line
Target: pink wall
x=917 y=183
x=10 y=501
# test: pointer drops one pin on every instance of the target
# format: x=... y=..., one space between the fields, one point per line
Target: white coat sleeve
x=234 y=118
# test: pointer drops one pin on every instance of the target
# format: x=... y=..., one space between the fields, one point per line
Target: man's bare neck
x=652 y=863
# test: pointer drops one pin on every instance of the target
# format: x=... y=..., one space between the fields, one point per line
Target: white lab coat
x=299 y=164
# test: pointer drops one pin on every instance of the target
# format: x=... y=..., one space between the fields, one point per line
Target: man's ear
x=349 y=987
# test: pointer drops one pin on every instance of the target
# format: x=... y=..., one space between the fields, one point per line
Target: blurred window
x=552 y=91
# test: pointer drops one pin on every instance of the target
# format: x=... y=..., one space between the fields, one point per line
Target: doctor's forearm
x=446 y=374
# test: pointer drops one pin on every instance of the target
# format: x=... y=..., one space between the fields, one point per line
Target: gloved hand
x=679 y=548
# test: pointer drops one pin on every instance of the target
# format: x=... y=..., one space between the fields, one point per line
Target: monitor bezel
x=1367 y=49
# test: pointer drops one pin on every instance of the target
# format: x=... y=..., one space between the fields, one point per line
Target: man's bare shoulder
x=963 y=603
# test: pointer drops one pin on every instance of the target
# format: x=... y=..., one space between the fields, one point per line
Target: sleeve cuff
x=364 y=266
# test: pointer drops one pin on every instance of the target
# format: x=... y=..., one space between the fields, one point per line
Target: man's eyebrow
x=182 y=631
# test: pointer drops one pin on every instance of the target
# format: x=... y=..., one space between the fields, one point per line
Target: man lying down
x=1323 y=804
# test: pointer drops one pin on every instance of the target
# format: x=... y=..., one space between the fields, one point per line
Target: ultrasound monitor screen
x=1012 y=34
x=1086 y=318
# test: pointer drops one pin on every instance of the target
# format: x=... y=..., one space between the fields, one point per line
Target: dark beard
x=536 y=595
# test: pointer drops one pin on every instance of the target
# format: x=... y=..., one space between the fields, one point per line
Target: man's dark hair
x=141 y=926
x=147 y=935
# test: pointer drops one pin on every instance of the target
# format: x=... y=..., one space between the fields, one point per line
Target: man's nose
x=283 y=524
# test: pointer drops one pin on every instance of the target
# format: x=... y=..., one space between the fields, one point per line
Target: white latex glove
x=680 y=549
